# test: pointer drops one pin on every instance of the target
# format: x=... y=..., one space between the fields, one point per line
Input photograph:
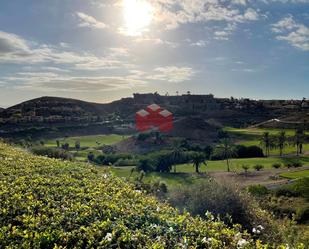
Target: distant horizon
x=131 y=96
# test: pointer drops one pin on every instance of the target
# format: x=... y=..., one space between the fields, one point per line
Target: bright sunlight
x=137 y=15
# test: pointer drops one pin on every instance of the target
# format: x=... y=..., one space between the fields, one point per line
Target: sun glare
x=137 y=15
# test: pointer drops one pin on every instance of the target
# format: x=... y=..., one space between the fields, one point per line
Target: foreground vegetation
x=48 y=203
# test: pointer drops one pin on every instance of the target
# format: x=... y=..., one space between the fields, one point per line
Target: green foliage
x=231 y=205
x=302 y=215
x=258 y=167
x=111 y=159
x=248 y=151
x=258 y=190
x=245 y=167
x=52 y=153
x=276 y=165
x=49 y=203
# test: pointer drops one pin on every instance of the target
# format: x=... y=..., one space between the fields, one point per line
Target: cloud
x=296 y=34
x=15 y=49
x=240 y=2
x=157 y=41
x=200 y=43
x=174 y=13
x=47 y=81
x=225 y=33
x=13 y=45
x=89 y=21
x=172 y=74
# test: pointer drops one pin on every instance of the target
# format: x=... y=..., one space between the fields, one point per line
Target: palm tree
x=198 y=159
x=176 y=155
x=281 y=142
x=298 y=141
x=226 y=148
x=266 y=142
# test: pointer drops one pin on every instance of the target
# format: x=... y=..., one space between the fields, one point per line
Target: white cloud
x=89 y=21
x=157 y=41
x=241 y=2
x=296 y=34
x=225 y=33
x=14 y=49
x=172 y=74
x=200 y=43
x=173 y=13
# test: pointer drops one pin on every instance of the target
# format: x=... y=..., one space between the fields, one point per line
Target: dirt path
x=269 y=178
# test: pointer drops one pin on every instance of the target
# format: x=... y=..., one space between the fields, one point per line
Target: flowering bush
x=49 y=203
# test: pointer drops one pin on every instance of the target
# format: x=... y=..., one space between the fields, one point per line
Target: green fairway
x=88 y=141
x=295 y=175
x=236 y=164
x=170 y=179
x=251 y=136
x=185 y=172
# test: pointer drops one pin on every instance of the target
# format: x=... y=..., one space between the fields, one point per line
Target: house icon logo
x=154 y=117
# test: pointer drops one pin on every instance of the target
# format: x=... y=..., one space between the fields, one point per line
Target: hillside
x=63 y=117
x=48 y=203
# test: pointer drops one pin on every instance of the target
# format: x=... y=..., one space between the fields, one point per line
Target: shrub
x=286 y=191
x=227 y=202
x=90 y=157
x=302 y=215
x=111 y=159
x=146 y=165
x=245 y=168
x=52 y=153
x=248 y=152
x=288 y=165
x=126 y=162
x=258 y=167
x=297 y=164
x=276 y=165
x=48 y=203
x=258 y=190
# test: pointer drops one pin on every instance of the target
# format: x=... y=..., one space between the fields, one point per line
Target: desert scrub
x=49 y=203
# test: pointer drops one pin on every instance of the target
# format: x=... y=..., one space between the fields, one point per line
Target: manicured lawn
x=249 y=137
x=260 y=131
x=185 y=172
x=88 y=141
x=295 y=175
x=171 y=179
x=236 y=164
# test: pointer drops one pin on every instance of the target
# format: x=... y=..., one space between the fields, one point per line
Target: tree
x=299 y=140
x=227 y=149
x=198 y=159
x=58 y=143
x=281 y=142
x=266 y=142
x=77 y=145
x=176 y=156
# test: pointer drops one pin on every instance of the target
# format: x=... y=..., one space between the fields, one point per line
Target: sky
x=103 y=50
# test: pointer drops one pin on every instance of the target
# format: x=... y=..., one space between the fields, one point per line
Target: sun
x=137 y=15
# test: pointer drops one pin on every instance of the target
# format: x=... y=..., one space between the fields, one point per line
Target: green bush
x=245 y=168
x=258 y=167
x=52 y=153
x=302 y=215
x=146 y=165
x=231 y=205
x=258 y=190
x=126 y=162
x=297 y=164
x=48 y=203
x=276 y=165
